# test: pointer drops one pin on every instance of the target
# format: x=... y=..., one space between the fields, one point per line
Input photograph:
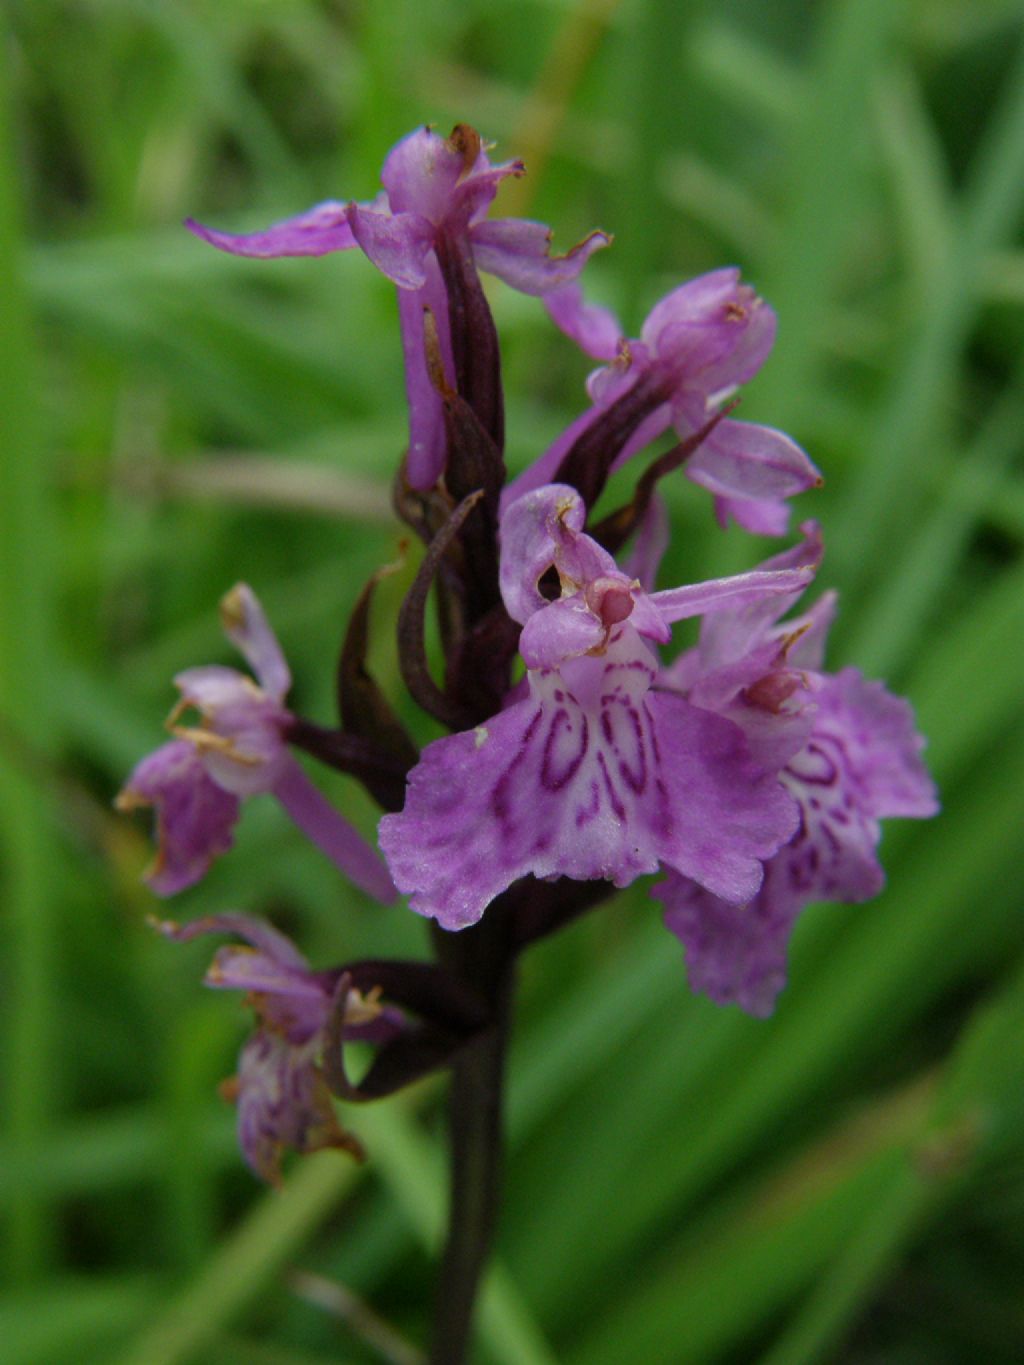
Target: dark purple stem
x=483 y=956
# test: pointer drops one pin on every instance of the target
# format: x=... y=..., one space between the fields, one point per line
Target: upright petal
x=316 y=232
x=650 y=544
x=727 y=635
x=246 y=626
x=421 y=172
x=283 y=990
x=713 y=331
x=561 y=630
x=240 y=739
x=529 y=543
x=258 y=933
x=474 y=195
x=449 y=180
x=759 y=516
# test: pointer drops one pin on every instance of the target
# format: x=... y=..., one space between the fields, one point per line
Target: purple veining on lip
x=592 y=774
x=558 y=768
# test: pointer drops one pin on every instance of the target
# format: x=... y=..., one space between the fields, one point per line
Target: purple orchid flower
x=698 y=344
x=282 y=1097
x=437 y=192
x=849 y=756
x=592 y=774
x=238 y=749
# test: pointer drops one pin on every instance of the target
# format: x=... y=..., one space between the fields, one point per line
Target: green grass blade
x=26 y=672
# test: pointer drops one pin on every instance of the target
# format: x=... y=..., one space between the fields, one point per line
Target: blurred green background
x=844 y=1182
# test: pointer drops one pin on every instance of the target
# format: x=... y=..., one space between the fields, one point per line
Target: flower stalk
x=476 y=1105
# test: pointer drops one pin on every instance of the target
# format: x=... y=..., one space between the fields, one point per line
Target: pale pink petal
x=728 y=635
x=713 y=330
x=745 y=460
x=529 y=543
x=650 y=544
x=246 y=626
x=257 y=932
x=559 y=631
x=735 y=954
x=420 y=174
x=195 y=817
x=703 y=297
x=332 y=833
x=427 y=436
x=397 y=243
x=240 y=740
x=739 y=590
x=595 y=330
x=474 y=195
x=811 y=629
x=759 y=516
x=314 y=233
x=518 y=251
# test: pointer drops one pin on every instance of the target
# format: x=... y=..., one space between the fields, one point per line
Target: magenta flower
x=851 y=757
x=593 y=774
x=282 y=1097
x=238 y=749
x=437 y=192
x=698 y=344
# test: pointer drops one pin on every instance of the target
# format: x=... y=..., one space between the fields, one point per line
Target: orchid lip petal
x=195 y=817
x=591 y=776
